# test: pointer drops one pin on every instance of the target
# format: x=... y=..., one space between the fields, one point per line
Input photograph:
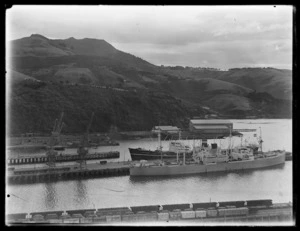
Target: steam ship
x=174 y=147
x=207 y=159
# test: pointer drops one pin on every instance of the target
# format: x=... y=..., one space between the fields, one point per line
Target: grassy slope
x=16 y=77
x=276 y=82
x=75 y=75
x=95 y=61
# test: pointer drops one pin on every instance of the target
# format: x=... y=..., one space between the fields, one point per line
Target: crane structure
x=54 y=140
x=82 y=150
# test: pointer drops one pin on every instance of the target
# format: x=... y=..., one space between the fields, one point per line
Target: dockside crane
x=54 y=139
x=83 y=147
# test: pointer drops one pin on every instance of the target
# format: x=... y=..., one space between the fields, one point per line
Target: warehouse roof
x=166 y=129
x=211 y=121
x=210 y=127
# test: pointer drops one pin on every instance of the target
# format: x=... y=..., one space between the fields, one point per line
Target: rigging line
x=100 y=194
x=18 y=197
x=114 y=190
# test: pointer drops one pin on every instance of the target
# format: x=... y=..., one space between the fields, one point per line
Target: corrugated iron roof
x=209 y=121
x=210 y=127
x=166 y=128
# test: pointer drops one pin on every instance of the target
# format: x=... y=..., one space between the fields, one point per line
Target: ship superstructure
x=211 y=158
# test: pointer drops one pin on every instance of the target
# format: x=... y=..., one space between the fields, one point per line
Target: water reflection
x=51 y=197
x=268 y=183
x=80 y=196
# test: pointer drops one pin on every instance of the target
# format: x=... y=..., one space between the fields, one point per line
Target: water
x=272 y=183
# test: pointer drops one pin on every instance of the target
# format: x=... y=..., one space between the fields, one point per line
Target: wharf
x=39 y=174
x=30 y=173
x=27 y=146
x=250 y=211
x=61 y=158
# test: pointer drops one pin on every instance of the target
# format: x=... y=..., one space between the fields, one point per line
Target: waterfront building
x=210 y=126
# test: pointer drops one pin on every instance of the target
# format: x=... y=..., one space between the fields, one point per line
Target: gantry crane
x=54 y=139
x=83 y=147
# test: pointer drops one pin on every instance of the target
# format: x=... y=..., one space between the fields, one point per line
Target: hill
x=35 y=105
x=14 y=77
x=81 y=75
x=276 y=82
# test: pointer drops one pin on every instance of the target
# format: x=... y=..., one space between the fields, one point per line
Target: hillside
x=276 y=82
x=35 y=105
x=83 y=75
x=14 y=77
x=43 y=58
x=39 y=46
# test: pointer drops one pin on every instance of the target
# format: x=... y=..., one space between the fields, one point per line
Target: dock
x=24 y=170
x=61 y=158
x=249 y=211
x=244 y=130
x=63 y=172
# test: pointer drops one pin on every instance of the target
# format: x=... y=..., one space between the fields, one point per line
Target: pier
x=61 y=158
x=63 y=172
x=32 y=174
x=250 y=211
x=244 y=130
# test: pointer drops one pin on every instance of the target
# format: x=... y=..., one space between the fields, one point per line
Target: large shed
x=210 y=126
x=166 y=129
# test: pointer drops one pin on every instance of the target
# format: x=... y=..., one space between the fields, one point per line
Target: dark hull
x=60 y=148
x=142 y=154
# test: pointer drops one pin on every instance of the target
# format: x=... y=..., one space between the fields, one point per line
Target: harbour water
x=272 y=183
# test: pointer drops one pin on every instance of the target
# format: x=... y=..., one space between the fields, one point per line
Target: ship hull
x=142 y=154
x=201 y=168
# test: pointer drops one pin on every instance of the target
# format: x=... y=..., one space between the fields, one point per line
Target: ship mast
x=194 y=146
x=230 y=136
x=260 y=140
x=229 y=145
x=82 y=150
x=54 y=139
x=159 y=142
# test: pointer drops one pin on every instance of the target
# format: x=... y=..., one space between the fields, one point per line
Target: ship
x=208 y=159
x=209 y=164
x=174 y=147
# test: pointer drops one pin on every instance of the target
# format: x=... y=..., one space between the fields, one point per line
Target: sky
x=198 y=36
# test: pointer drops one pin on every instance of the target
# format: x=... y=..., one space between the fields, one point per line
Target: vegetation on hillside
x=88 y=75
x=34 y=106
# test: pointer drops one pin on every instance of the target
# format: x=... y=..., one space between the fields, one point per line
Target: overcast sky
x=199 y=36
